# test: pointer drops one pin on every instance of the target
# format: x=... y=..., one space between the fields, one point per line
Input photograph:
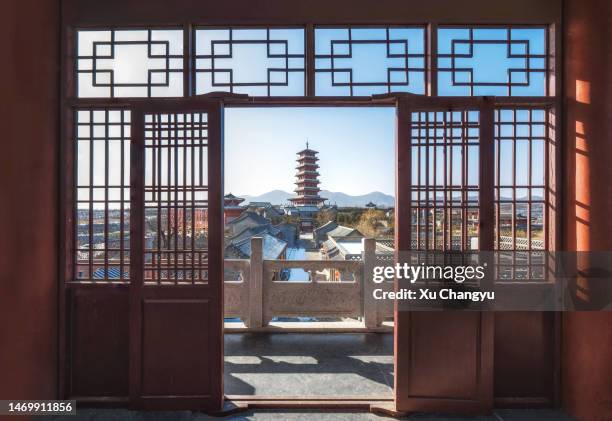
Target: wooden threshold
x=309 y=327
x=341 y=398
x=375 y=404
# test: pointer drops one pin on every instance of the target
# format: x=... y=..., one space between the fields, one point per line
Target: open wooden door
x=444 y=201
x=176 y=297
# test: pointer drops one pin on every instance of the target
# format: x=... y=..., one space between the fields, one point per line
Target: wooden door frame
x=405 y=399
x=139 y=293
x=397 y=100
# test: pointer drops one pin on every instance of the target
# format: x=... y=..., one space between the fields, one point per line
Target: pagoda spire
x=307 y=179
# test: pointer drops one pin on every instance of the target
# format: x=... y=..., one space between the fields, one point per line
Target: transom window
x=129 y=63
x=257 y=62
x=331 y=61
x=492 y=61
x=366 y=61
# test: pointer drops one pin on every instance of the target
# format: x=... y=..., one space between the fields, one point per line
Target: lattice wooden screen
x=176 y=198
x=102 y=183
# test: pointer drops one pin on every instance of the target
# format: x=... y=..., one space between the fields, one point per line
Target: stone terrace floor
x=310 y=364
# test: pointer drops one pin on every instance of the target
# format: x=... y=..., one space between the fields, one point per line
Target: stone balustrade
x=257 y=290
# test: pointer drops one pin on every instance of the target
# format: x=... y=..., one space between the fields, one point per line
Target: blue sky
x=356 y=148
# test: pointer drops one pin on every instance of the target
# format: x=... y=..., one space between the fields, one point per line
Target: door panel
x=176 y=361
x=176 y=353
x=526 y=359
x=98 y=343
x=444 y=359
x=446 y=362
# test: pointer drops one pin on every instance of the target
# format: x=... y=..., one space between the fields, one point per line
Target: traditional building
x=350 y=248
x=307 y=190
x=231 y=207
x=267 y=210
x=247 y=219
x=273 y=248
x=183 y=224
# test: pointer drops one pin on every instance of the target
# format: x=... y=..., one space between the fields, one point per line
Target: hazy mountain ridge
x=280 y=197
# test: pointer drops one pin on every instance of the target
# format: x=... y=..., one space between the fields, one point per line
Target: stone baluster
x=256 y=292
x=370 y=306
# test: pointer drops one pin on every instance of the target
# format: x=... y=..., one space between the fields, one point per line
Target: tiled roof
x=253 y=231
x=289 y=230
x=330 y=249
x=260 y=204
x=272 y=246
x=342 y=231
x=249 y=215
x=325 y=228
x=113 y=273
x=307 y=151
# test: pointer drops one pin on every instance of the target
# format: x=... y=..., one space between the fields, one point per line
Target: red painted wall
x=587 y=337
x=28 y=204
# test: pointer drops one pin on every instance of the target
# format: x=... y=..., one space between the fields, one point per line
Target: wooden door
x=176 y=303
x=444 y=359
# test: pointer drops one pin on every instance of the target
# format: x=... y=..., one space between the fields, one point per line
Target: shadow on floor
x=310 y=364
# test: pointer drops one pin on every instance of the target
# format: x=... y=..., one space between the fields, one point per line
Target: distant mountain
x=276 y=197
x=279 y=197
x=344 y=200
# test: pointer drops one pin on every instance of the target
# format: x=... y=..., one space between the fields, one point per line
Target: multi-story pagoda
x=307 y=200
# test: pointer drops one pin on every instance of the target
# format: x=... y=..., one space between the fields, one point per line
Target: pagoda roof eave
x=308 y=150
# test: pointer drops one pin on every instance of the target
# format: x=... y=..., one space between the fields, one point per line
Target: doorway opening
x=309 y=198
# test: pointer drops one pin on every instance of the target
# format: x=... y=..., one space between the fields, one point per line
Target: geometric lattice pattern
x=102 y=213
x=366 y=61
x=445 y=180
x=492 y=61
x=176 y=198
x=521 y=184
x=258 y=62
x=521 y=181
x=130 y=63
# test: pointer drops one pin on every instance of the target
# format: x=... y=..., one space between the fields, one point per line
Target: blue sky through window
x=486 y=55
x=356 y=148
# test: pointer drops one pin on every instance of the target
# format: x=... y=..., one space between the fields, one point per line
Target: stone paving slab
x=294 y=364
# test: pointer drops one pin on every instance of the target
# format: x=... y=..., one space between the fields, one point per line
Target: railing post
x=256 y=284
x=370 y=306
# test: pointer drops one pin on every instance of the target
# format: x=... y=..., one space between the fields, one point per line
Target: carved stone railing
x=236 y=288
x=257 y=290
x=317 y=297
